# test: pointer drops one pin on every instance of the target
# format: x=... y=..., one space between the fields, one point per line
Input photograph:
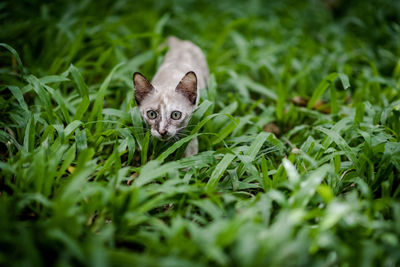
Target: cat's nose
x=163 y=132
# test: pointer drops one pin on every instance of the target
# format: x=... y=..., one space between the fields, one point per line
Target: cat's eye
x=151 y=114
x=176 y=115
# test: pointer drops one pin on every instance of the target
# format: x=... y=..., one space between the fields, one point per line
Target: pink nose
x=162 y=132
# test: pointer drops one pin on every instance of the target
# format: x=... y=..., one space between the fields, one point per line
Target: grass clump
x=299 y=135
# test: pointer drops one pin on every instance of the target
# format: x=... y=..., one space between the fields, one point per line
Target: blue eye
x=151 y=114
x=176 y=115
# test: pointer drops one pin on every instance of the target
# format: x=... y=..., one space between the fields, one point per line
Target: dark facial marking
x=158 y=121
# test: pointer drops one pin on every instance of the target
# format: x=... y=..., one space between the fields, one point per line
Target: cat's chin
x=162 y=138
x=165 y=138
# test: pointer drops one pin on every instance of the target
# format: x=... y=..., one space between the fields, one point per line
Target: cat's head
x=166 y=111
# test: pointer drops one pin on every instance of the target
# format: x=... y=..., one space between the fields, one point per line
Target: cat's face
x=167 y=112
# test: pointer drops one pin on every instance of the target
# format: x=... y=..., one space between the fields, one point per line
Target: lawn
x=299 y=135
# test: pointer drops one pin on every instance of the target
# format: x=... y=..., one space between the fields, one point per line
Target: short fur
x=175 y=87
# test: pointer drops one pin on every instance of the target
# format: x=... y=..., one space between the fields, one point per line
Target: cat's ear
x=188 y=87
x=142 y=87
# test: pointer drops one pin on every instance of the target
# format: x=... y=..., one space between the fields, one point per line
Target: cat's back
x=182 y=57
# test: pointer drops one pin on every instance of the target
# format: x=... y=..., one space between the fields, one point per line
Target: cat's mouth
x=165 y=138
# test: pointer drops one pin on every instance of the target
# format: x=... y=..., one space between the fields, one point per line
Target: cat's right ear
x=142 y=87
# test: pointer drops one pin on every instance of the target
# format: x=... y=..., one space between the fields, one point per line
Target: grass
x=299 y=135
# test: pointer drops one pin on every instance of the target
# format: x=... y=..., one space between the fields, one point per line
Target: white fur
x=181 y=58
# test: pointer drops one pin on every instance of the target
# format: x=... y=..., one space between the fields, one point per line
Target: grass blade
x=218 y=171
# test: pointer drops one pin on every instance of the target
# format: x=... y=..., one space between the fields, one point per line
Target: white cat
x=167 y=103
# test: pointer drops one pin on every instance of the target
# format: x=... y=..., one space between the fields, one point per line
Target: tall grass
x=299 y=134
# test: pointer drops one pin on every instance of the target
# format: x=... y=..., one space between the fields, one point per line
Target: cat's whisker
x=181 y=134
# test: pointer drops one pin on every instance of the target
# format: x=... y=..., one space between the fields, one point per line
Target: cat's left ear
x=188 y=87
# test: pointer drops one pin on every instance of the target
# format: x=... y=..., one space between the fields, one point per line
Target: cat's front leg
x=192 y=148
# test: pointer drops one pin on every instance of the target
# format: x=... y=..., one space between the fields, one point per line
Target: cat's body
x=181 y=58
x=167 y=103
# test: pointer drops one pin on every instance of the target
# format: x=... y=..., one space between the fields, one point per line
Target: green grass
x=83 y=183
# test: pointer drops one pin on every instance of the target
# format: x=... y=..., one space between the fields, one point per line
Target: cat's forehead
x=167 y=102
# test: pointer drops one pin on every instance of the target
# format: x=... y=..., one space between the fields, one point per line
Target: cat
x=167 y=103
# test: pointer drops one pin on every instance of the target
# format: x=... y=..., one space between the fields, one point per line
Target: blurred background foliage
x=299 y=135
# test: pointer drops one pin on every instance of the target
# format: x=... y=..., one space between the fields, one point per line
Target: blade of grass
x=98 y=103
x=218 y=171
